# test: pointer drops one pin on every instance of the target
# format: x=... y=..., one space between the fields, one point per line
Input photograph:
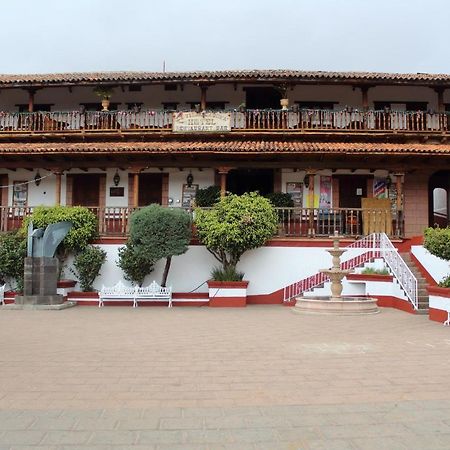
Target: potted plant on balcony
x=231 y=227
x=105 y=93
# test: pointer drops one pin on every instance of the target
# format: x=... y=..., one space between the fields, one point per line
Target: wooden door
x=86 y=190
x=352 y=188
x=150 y=188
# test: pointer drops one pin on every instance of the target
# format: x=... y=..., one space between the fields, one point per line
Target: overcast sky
x=40 y=36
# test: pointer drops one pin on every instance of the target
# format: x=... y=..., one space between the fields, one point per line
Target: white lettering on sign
x=188 y=122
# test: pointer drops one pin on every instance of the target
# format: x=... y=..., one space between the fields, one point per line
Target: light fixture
x=190 y=179
x=37 y=178
x=116 y=178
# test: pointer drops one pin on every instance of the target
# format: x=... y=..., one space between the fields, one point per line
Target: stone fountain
x=336 y=303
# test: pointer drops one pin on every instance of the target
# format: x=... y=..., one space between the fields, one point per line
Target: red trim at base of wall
x=437 y=315
x=387 y=301
x=275 y=298
x=405 y=246
x=227 y=302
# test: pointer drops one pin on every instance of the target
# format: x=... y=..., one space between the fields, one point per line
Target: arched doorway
x=438 y=199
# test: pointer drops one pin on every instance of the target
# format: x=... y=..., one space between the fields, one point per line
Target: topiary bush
x=157 y=232
x=234 y=225
x=87 y=265
x=437 y=242
x=13 y=249
x=280 y=200
x=134 y=267
x=207 y=197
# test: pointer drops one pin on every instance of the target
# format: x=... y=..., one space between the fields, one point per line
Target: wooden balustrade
x=285 y=120
x=292 y=222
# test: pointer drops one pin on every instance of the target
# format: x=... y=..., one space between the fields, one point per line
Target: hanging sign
x=191 y=121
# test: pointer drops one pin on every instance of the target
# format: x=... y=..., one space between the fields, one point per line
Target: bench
x=152 y=293
x=2 y=294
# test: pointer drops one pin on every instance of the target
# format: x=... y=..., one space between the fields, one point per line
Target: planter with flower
x=105 y=93
x=231 y=227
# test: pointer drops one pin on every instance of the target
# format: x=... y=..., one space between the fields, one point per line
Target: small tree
x=437 y=242
x=87 y=265
x=234 y=225
x=13 y=249
x=157 y=232
x=135 y=268
x=206 y=197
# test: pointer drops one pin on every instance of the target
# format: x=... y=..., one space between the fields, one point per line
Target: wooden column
x=135 y=189
x=223 y=171
x=31 y=93
x=440 y=93
x=58 y=174
x=203 y=97
x=365 y=97
x=399 y=203
x=311 y=175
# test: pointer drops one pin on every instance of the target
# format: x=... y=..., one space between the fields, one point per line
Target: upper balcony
x=305 y=121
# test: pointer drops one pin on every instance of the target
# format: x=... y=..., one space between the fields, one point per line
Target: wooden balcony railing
x=293 y=222
x=263 y=120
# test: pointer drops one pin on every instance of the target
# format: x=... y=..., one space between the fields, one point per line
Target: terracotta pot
x=227 y=293
x=284 y=102
x=105 y=104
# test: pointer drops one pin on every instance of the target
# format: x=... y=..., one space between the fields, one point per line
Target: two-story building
x=358 y=152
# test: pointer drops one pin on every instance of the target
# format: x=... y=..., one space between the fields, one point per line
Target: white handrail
x=399 y=269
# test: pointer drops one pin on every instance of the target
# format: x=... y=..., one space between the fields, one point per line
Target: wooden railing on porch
x=292 y=222
x=308 y=120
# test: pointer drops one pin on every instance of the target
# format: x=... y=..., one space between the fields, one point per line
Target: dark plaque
x=116 y=191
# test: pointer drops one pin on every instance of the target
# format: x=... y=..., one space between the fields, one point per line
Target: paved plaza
x=201 y=378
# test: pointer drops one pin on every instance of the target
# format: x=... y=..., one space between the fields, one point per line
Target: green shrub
x=157 y=232
x=234 y=225
x=207 y=197
x=280 y=200
x=437 y=242
x=84 y=222
x=13 y=249
x=372 y=271
x=87 y=266
x=228 y=274
x=135 y=269
x=445 y=282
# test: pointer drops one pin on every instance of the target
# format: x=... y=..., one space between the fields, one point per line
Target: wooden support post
x=203 y=97
x=135 y=189
x=440 y=99
x=365 y=97
x=311 y=175
x=31 y=93
x=58 y=174
x=223 y=171
x=399 y=203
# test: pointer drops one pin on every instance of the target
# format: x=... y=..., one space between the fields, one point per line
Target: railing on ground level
x=286 y=120
x=376 y=245
x=292 y=222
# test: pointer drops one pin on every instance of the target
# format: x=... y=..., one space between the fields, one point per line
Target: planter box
x=439 y=306
x=65 y=286
x=227 y=293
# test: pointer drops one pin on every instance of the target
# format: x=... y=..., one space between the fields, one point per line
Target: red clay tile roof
x=223 y=147
x=92 y=78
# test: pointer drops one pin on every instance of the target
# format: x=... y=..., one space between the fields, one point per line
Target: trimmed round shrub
x=13 y=249
x=87 y=265
x=135 y=269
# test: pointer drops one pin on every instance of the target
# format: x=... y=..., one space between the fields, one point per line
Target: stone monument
x=41 y=267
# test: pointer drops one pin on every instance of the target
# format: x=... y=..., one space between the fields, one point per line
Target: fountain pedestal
x=336 y=304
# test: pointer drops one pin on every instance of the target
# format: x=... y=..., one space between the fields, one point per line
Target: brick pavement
x=199 y=378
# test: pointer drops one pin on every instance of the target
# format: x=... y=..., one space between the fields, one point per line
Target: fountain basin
x=342 y=306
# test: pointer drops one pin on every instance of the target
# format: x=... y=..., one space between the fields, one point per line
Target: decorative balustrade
x=292 y=222
x=264 y=120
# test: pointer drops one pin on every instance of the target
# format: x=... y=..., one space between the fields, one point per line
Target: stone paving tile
x=160 y=437
x=113 y=437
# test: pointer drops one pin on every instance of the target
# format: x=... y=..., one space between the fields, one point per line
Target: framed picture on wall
x=20 y=194
x=188 y=195
x=295 y=190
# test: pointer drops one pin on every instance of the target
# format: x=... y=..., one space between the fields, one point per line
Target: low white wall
x=268 y=268
x=436 y=267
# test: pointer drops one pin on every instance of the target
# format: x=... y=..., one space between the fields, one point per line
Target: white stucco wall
x=436 y=267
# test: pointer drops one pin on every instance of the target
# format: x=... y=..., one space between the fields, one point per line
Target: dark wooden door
x=262 y=98
x=351 y=189
x=150 y=188
x=240 y=181
x=86 y=190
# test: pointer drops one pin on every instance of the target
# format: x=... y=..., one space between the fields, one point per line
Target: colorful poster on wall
x=325 y=192
x=379 y=188
x=295 y=190
x=188 y=195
